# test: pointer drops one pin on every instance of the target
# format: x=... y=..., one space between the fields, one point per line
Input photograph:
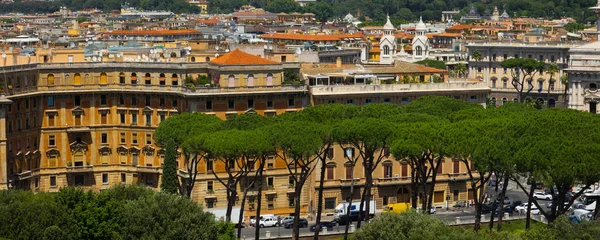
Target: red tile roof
x=310 y=37
x=153 y=32
x=238 y=57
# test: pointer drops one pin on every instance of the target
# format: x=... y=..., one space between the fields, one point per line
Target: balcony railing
x=80 y=169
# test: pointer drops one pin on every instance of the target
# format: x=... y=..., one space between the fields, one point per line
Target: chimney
x=338 y=62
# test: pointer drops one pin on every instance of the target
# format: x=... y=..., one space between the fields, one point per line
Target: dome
x=421 y=26
x=388 y=25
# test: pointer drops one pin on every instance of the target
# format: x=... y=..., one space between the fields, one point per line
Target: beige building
x=91 y=125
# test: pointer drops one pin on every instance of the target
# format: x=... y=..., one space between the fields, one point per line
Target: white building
x=420 y=43
x=387 y=44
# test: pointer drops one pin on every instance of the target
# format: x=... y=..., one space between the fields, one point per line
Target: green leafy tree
x=322 y=10
x=286 y=6
x=432 y=63
x=523 y=70
x=170 y=181
x=461 y=70
x=188 y=131
x=298 y=145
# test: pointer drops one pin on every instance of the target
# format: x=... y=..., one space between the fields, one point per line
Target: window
x=230 y=104
x=349 y=152
x=105 y=178
x=283 y=58
x=122 y=78
x=209 y=165
x=52 y=181
x=102 y=99
x=440 y=168
x=103 y=118
x=291 y=102
x=147 y=101
x=122 y=118
x=456 y=168
x=350 y=101
x=133 y=101
x=148 y=120
x=291 y=181
x=541 y=58
x=330 y=203
x=404 y=169
x=478 y=69
x=50 y=101
x=270 y=182
x=493 y=83
x=330 y=170
x=515 y=100
x=387 y=100
x=349 y=173
x=122 y=138
x=493 y=57
x=104 y=138
x=552 y=58
x=133 y=118
x=147 y=79
x=593 y=87
x=79 y=179
x=269 y=104
x=473 y=98
x=330 y=153
x=134 y=138
x=209 y=186
x=50 y=79
x=250 y=80
x=505 y=70
x=504 y=83
x=231 y=81
x=386 y=50
x=419 y=51
x=493 y=70
x=174 y=103
x=148 y=139
x=387 y=170
x=250 y=103
x=193 y=59
x=270 y=162
x=269 y=79
x=209 y=105
x=51 y=140
x=368 y=100
x=505 y=56
x=50 y=121
x=123 y=177
x=516 y=55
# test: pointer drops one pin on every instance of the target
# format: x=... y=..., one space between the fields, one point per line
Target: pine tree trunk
x=529 y=202
x=320 y=198
x=502 y=194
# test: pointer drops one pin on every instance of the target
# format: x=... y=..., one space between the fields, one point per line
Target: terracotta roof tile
x=153 y=32
x=310 y=37
x=238 y=57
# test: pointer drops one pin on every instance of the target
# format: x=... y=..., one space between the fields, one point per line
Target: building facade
x=91 y=125
x=544 y=88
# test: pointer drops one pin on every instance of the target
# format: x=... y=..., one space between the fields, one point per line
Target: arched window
x=504 y=82
x=122 y=78
x=515 y=100
x=174 y=79
x=193 y=59
x=250 y=80
x=269 y=79
x=493 y=101
x=551 y=103
x=207 y=59
x=173 y=55
x=387 y=169
x=504 y=100
x=419 y=51
x=231 y=81
x=403 y=195
x=133 y=78
x=50 y=79
x=593 y=87
x=103 y=78
x=77 y=79
x=494 y=79
x=148 y=79
x=386 y=50
x=540 y=101
x=161 y=79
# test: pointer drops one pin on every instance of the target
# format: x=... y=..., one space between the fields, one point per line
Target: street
x=447 y=215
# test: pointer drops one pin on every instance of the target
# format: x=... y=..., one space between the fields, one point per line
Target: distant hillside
x=429 y=9
x=177 y=6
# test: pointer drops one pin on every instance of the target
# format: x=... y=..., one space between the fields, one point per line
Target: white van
x=253 y=219
x=271 y=221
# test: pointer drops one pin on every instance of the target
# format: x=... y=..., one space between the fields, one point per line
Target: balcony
x=25 y=175
x=148 y=169
x=80 y=169
x=398 y=88
x=78 y=129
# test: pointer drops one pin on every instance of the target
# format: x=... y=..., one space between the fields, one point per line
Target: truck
x=396 y=208
x=342 y=208
x=220 y=214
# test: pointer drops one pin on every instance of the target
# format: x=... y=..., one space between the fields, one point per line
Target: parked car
x=542 y=195
x=269 y=222
x=328 y=225
x=523 y=209
x=578 y=206
x=287 y=219
x=506 y=200
x=514 y=204
x=302 y=222
x=253 y=219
